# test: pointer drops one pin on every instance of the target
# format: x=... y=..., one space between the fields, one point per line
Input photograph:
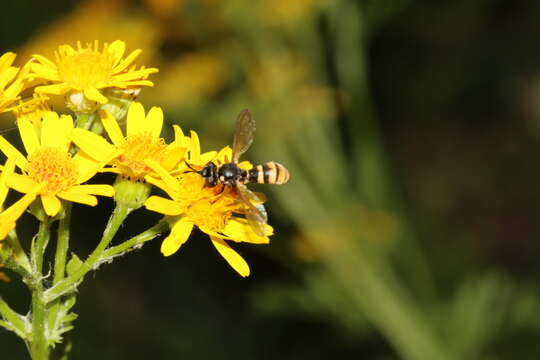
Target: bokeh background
x=410 y=227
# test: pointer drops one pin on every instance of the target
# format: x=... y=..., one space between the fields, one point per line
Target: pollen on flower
x=192 y=188
x=208 y=207
x=53 y=168
x=206 y=215
x=138 y=148
x=85 y=67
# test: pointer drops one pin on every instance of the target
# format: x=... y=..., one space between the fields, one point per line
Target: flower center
x=207 y=207
x=206 y=215
x=84 y=68
x=138 y=148
x=53 y=168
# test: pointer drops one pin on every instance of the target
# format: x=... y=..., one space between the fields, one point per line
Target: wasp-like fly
x=230 y=174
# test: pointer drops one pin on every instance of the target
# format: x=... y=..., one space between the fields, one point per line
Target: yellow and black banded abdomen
x=269 y=173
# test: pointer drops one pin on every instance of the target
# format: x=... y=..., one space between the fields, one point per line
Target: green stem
x=62 y=245
x=38 y=248
x=39 y=347
x=14 y=321
x=133 y=243
x=66 y=285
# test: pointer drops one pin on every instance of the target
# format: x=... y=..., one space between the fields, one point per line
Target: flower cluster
x=63 y=152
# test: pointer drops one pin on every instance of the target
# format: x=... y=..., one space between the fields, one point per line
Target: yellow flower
x=141 y=143
x=6 y=217
x=33 y=110
x=211 y=209
x=87 y=70
x=50 y=171
x=10 y=84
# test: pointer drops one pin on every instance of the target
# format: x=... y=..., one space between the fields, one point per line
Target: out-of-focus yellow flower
x=141 y=143
x=10 y=84
x=211 y=209
x=190 y=79
x=33 y=110
x=285 y=12
x=87 y=70
x=50 y=171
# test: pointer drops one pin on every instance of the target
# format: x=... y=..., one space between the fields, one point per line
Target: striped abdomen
x=269 y=173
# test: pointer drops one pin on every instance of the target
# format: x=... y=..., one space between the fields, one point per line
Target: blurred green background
x=409 y=229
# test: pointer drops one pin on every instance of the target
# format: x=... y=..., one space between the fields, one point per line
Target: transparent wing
x=254 y=210
x=243 y=134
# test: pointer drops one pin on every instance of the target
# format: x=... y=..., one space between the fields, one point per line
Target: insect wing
x=243 y=134
x=254 y=210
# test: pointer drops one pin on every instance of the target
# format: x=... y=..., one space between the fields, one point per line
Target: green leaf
x=69 y=317
x=73 y=264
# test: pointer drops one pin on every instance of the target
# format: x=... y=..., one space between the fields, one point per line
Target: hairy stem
x=62 y=245
x=39 y=347
x=132 y=243
x=66 y=285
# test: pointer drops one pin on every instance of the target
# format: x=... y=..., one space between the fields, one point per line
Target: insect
x=230 y=174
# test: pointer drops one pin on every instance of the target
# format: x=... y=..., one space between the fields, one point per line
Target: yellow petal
x=78 y=197
x=239 y=230
x=195 y=150
x=169 y=180
x=117 y=49
x=93 y=94
x=51 y=204
x=22 y=183
x=10 y=151
x=28 y=135
x=135 y=119
x=8 y=169
x=163 y=206
x=179 y=234
x=44 y=72
x=173 y=156
x=56 y=89
x=55 y=131
x=128 y=60
x=94 y=189
x=11 y=214
x=160 y=184
x=7 y=76
x=233 y=258
x=6 y=226
x=179 y=137
x=7 y=59
x=87 y=166
x=225 y=154
x=207 y=157
x=154 y=121
x=44 y=61
x=92 y=144
x=112 y=128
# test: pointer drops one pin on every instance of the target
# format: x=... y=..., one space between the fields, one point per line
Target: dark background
x=410 y=227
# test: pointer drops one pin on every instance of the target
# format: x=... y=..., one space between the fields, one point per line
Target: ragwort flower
x=141 y=143
x=7 y=222
x=211 y=209
x=10 y=84
x=50 y=171
x=87 y=70
x=33 y=109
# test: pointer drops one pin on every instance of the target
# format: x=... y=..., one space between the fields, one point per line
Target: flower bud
x=131 y=193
